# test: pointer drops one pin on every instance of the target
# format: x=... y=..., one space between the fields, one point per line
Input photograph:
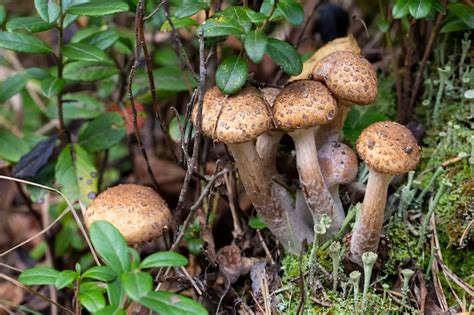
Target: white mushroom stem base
x=317 y=196
x=368 y=227
x=268 y=198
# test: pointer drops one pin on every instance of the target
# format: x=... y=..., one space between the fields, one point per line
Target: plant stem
x=60 y=65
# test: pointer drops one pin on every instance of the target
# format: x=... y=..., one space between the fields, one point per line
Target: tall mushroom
x=339 y=166
x=236 y=121
x=300 y=108
x=388 y=149
x=138 y=212
x=352 y=80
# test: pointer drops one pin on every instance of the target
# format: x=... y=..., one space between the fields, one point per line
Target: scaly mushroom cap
x=349 y=76
x=234 y=119
x=304 y=104
x=338 y=163
x=270 y=94
x=136 y=211
x=388 y=148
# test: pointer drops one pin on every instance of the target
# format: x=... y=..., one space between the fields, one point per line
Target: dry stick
x=69 y=208
x=424 y=60
x=151 y=80
x=34 y=292
x=197 y=138
x=131 y=76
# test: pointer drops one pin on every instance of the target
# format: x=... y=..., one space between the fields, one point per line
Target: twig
x=265 y=248
x=149 y=16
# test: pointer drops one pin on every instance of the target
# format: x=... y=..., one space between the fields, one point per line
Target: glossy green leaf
x=257 y=223
x=102 y=40
x=92 y=300
x=51 y=86
x=39 y=276
x=464 y=12
x=255 y=45
x=31 y=24
x=383 y=25
x=400 y=9
x=164 y=259
x=231 y=74
x=178 y=23
x=98 y=8
x=173 y=79
x=110 y=310
x=101 y=273
x=190 y=7
x=103 y=132
x=284 y=55
x=12 y=86
x=65 y=278
x=85 y=52
x=11 y=148
x=77 y=106
x=420 y=9
x=174 y=129
x=267 y=8
x=172 y=304
x=239 y=15
x=78 y=177
x=3 y=14
x=137 y=284
x=88 y=71
x=48 y=10
x=115 y=292
x=453 y=25
x=23 y=43
x=220 y=26
x=257 y=17
x=292 y=11
x=110 y=245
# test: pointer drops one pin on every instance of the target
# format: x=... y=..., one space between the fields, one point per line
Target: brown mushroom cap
x=388 y=148
x=234 y=119
x=270 y=94
x=338 y=163
x=304 y=104
x=349 y=76
x=138 y=212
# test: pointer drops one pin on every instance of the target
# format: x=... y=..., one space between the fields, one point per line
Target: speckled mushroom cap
x=269 y=94
x=388 y=148
x=234 y=119
x=304 y=104
x=136 y=211
x=349 y=76
x=338 y=163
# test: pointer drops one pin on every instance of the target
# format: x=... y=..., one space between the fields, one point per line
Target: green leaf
x=231 y=74
x=11 y=148
x=164 y=259
x=257 y=223
x=77 y=106
x=48 y=10
x=101 y=273
x=78 y=179
x=3 y=14
x=172 y=304
x=400 y=9
x=65 y=278
x=420 y=8
x=23 y=43
x=174 y=130
x=110 y=310
x=12 y=86
x=383 y=25
x=239 y=15
x=137 y=284
x=255 y=45
x=51 y=86
x=110 y=245
x=292 y=11
x=267 y=7
x=454 y=25
x=31 y=24
x=115 y=292
x=190 y=7
x=39 y=276
x=464 y=12
x=92 y=300
x=98 y=8
x=102 y=40
x=85 y=52
x=284 y=55
x=37 y=73
x=88 y=71
x=257 y=17
x=178 y=23
x=103 y=132
x=358 y=120
x=173 y=79
x=220 y=26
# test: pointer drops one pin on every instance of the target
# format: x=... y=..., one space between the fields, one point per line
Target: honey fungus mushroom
x=388 y=149
x=138 y=212
x=237 y=121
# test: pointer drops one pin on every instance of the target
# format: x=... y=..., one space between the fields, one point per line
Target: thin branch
x=402 y=114
x=149 y=16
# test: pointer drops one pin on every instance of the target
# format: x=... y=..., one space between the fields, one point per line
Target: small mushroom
x=138 y=212
x=300 y=108
x=388 y=149
x=339 y=166
x=232 y=264
x=237 y=121
x=352 y=80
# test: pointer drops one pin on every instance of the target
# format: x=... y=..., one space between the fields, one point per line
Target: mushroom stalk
x=267 y=149
x=332 y=130
x=267 y=199
x=339 y=214
x=368 y=228
x=317 y=196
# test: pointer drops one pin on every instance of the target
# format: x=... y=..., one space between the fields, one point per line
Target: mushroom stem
x=267 y=149
x=317 y=196
x=332 y=130
x=339 y=214
x=266 y=196
x=368 y=228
